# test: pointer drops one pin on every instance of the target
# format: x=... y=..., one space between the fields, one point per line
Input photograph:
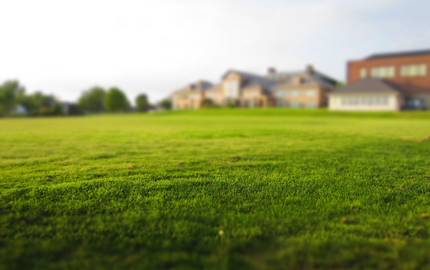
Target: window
x=414 y=70
x=311 y=93
x=281 y=94
x=383 y=72
x=232 y=89
x=365 y=100
x=295 y=93
x=363 y=73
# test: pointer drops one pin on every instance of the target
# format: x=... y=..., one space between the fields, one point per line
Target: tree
x=10 y=93
x=231 y=104
x=93 y=100
x=116 y=101
x=39 y=104
x=142 y=103
x=165 y=104
x=208 y=103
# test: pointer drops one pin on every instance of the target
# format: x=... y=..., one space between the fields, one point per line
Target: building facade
x=305 y=89
x=409 y=71
x=191 y=96
x=367 y=95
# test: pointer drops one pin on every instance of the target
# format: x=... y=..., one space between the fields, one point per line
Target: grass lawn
x=216 y=189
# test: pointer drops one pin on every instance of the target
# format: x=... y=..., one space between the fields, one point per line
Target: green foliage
x=216 y=189
x=208 y=103
x=10 y=93
x=142 y=103
x=116 y=101
x=340 y=84
x=39 y=104
x=93 y=100
x=231 y=104
x=165 y=104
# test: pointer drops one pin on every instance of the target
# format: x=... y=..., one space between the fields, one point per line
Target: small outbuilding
x=367 y=95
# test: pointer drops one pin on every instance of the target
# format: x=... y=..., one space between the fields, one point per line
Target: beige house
x=192 y=96
x=367 y=95
x=245 y=89
x=306 y=88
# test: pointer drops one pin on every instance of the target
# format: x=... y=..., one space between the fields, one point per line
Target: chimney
x=310 y=69
x=271 y=71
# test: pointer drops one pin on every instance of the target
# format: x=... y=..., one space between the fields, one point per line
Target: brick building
x=409 y=72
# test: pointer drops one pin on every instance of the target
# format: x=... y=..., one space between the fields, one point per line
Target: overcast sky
x=156 y=46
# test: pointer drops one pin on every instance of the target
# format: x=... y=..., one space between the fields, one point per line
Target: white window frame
x=383 y=72
x=418 y=70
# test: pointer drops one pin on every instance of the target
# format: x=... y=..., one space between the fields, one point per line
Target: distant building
x=409 y=72
x=304 y=89
x=244 y=89
x=191 y=96
x=367 y=95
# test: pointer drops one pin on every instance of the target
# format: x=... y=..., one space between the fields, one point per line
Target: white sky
x=156 y=46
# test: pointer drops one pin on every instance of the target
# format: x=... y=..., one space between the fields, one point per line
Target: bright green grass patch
x=216 y=189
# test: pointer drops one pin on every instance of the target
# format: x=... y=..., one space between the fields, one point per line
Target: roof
x=198 y=86
x=273 y=80
x=310 y=77
x=250 y=79
x=201 y=85
x=369 y=86
x=399 y=54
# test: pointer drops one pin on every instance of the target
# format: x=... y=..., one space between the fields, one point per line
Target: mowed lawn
x=216 y=189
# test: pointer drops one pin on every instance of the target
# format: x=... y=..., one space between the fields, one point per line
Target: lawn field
x=216 y=189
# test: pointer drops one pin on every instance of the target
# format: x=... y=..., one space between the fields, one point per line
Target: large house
x=192 y=96
x=303 y=89
x=388 y=82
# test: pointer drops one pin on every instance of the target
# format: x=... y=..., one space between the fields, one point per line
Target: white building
x=367 y=95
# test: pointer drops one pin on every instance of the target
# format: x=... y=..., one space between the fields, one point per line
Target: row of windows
x=296 y=93
x=414 y=70
x=357 y=101
x=282 y=103
x=390 y=71
x=383 y=72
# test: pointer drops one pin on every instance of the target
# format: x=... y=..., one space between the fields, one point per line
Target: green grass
x=216 y=189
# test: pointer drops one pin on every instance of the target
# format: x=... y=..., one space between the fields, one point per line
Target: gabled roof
x=399 y=54
x=273 y=80
x=250 y=79
x=310 y=77
x=199 y=86
x=369 y=86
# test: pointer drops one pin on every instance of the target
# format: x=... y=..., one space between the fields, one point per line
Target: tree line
x=15 y=101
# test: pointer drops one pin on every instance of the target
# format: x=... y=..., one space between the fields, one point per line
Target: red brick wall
x=354 y=67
